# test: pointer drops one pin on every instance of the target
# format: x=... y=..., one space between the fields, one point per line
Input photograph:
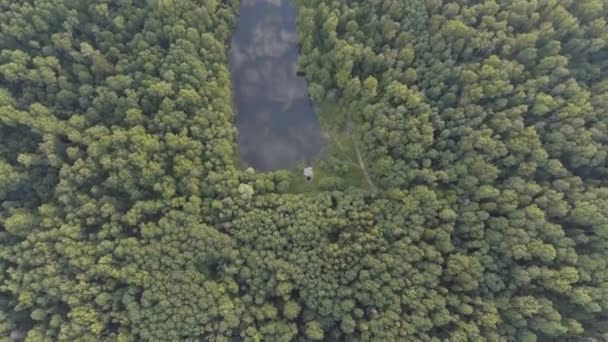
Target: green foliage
x=124 y=215
x=314 y=331
x=498 y=108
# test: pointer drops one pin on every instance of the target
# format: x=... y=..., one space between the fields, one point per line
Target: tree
x=314 y=331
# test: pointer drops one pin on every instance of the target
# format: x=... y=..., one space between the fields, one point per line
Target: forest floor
x=340 y=164
x=350 y=130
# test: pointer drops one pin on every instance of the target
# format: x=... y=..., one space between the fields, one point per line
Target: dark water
x=276 y=121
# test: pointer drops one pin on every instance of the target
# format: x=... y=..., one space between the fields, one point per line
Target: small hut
x=308 y=173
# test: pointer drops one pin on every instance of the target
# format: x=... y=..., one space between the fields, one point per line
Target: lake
x=276 y=121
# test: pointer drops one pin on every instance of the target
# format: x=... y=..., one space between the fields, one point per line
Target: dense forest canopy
x=125 y=216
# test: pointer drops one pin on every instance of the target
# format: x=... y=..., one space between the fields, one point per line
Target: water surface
x=276 y=121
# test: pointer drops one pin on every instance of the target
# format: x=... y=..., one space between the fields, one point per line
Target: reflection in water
x=275 y=119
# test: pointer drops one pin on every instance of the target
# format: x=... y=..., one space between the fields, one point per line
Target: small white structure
x=308 y=173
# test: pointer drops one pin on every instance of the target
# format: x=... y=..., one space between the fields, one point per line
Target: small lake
x=276 y=121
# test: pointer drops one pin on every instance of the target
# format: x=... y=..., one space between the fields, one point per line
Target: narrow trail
x=350 y=129
x=362 y=164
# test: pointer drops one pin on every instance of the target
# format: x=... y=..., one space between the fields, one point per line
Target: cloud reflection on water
x=276 y=122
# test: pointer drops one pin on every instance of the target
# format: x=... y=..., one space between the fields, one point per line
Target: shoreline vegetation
x=338 y=166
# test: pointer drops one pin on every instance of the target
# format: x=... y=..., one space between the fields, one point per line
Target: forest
x=125 y=215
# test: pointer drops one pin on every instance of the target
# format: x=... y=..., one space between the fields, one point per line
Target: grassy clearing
x=337 y=165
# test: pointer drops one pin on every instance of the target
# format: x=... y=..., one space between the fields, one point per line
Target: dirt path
x=362 y=164
x=350 y=130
